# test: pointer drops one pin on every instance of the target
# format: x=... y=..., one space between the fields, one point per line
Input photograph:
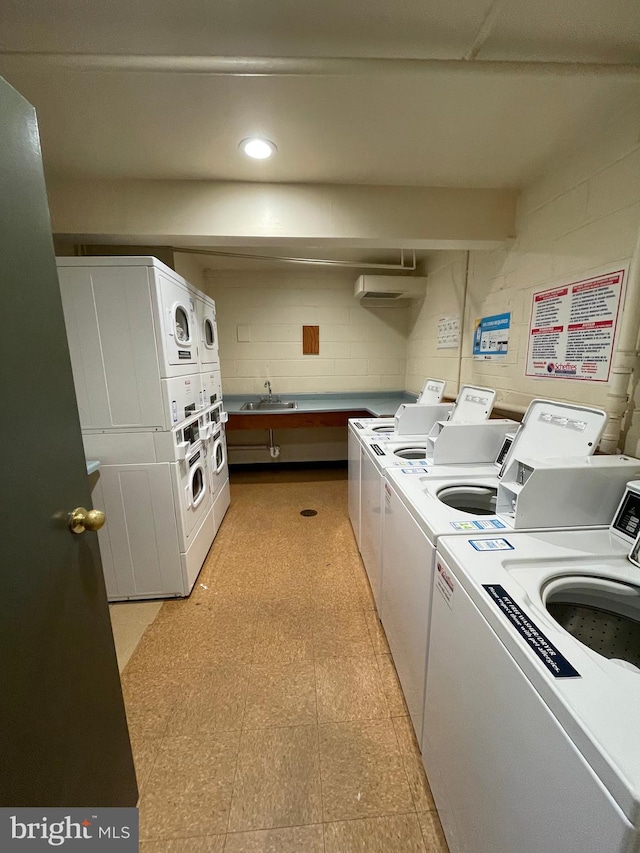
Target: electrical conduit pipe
x=624 y=358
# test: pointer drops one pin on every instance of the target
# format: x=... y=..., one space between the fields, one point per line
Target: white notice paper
x=572 y=328
x=448 y=333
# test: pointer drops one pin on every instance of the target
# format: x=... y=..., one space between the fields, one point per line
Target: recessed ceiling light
x=257 y=148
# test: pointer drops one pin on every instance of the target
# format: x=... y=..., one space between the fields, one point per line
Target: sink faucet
x=267 y=385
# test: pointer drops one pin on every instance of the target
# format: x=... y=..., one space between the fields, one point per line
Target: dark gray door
x=63 y=732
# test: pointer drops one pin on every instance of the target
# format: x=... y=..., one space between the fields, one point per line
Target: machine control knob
x=81 y=519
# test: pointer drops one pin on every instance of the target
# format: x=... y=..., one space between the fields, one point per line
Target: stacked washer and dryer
x=144 y=354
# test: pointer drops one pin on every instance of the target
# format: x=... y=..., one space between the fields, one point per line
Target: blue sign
x=554 y=661
x=491 y=545
x=491 y=336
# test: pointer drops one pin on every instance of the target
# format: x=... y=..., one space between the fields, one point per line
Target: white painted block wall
x=361 y=349
x=583 y=216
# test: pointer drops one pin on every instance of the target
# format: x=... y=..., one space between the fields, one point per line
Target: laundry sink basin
x=268 y=406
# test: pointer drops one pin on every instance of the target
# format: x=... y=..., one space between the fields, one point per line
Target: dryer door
x=179 y=328
x=197 y=488
x=206 y=315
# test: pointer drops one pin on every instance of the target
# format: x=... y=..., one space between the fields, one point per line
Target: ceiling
x=470 y=122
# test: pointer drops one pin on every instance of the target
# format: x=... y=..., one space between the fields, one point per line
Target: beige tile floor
x=265 y=712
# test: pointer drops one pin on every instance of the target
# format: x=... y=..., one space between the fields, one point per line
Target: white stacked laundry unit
x=144 y=354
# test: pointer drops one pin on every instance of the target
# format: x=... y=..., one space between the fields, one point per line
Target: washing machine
x=154 y=487
x=207 y=331
x=216 y=452
x=473 y=404
x=416 y=515
x=487 y=441
x=531 y=738
x=430 y=395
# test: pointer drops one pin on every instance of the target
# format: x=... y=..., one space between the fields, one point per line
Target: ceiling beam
x=209 y=213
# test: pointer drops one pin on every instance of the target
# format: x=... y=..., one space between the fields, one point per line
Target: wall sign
x=572 y=328
x=491 y=337
x=448 y=333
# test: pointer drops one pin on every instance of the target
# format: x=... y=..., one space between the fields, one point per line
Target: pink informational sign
x=573 y=327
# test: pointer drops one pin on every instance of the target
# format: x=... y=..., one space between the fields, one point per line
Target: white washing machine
x=211 y=380
x=410 y=419
x=415 y=517
x=216 y=450
x=154 y=487
x=207 y=331
x=354 y=465
x=377 y=454
x=430 y=395
x=531 y=738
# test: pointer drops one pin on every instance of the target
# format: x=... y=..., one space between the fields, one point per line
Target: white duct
x=321 y=66
x=624 y=358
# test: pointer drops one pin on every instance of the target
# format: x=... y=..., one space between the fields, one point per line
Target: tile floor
x=265 y=712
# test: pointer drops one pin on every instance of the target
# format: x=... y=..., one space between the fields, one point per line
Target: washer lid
x=551 y=429
x=432 y=392
x=473 y=404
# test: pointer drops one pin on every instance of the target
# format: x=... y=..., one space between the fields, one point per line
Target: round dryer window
x=209 y=334
x=181 y=325
x=196 y=484
x=219 y=457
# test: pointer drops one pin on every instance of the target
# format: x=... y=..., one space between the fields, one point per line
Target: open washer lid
x=472 y=404
x=550 y=429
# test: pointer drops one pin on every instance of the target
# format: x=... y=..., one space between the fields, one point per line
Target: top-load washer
x=531 y=738
x=415 y=517
x=410 y=419
x=207 y=331
x=491 y=441
x=430 y=395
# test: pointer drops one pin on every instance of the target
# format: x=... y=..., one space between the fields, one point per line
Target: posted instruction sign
x=573 y=327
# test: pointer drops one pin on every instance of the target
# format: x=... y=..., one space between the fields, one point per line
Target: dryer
x=530 y=738
x=415 y=517
x=207 y=331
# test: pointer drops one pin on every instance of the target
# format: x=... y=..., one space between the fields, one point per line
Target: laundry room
x=334 y=330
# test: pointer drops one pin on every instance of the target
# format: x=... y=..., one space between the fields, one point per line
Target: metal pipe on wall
x=295 y=66
x=624 y=358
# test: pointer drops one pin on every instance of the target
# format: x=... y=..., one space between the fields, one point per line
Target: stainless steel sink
x=268 y=406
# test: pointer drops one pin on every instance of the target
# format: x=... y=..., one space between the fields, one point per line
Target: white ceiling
x=430 y=128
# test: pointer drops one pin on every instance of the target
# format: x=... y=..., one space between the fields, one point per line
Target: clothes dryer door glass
x=219 y=456
x=209 y=333
x=197 y=484
x=181 y=325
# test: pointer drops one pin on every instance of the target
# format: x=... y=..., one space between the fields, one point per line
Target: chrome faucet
x=267 y=385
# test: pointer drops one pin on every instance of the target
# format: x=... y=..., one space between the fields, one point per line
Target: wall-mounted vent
x=389 y=290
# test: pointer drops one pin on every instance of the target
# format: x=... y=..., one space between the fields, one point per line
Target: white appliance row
x=144 y=353
x=516 y=762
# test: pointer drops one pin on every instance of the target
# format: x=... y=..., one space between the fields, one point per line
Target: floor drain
x=309 y=512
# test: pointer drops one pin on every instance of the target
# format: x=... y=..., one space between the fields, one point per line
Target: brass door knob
x=82 y=519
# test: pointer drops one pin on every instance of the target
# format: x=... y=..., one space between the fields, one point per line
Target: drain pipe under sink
x=274 y=449
x=624 y=358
